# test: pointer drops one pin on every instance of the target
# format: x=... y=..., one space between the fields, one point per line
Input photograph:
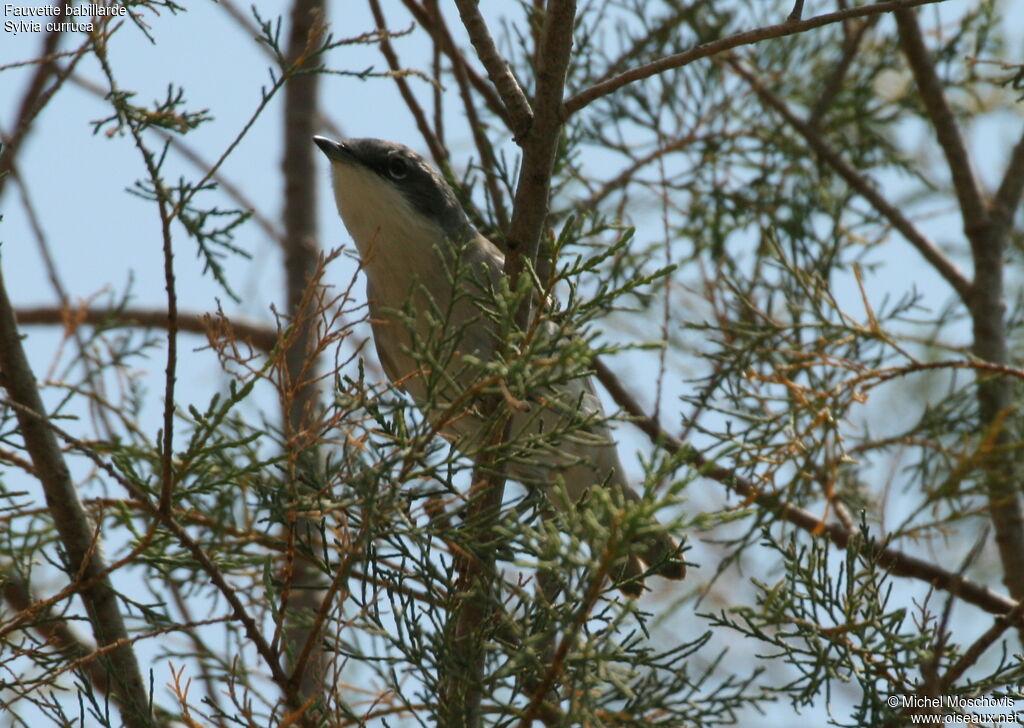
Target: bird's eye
x=398 y=168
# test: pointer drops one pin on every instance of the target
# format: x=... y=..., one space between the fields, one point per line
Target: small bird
x=428 y=272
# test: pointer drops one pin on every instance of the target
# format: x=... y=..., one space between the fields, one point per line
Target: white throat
x=389 y=233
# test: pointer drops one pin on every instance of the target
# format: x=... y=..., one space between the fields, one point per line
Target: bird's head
x=390 y=198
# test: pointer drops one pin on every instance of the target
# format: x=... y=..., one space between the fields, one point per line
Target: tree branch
x=832 y=86
x=437 y=149
x=265 y=337
x=540 y=145
x=301 y=394
x=77 y=533
x=862 y=185
x=748 y=37
x=35 y=98
x=972 y=203
x=53 y=628
x=1008 y=195
x=437 y=26
x=896 y=562
x=497 y=67
x=987 y=237
x=254 y=333
x=473 y=602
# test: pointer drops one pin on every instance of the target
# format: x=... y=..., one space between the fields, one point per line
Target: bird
x=428 y=276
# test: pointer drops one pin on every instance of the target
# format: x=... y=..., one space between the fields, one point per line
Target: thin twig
x=861 y=184
x=748 y=37
x=437 y=150
x=970 y=656
x=834 y=83
x=436 y=25
x=52 y=628
x=178 y=143
x=896 y=562
x=34 y=98
x=257 y=334
x=166 y=212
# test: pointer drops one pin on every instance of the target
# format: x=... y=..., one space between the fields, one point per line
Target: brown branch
x=249 y=625
x=880 y=376
x=980 y=645
x=497 y=67
x=72 y=523
x=834 y=83
x=436 y=25
x=436 y=54
x=52 y=628
x=437 y=149
x=301 y=356
x=471 y=611
x=254 y=333
x=300 y=177
x=968 y=192
x=540 y=145
x=860 y=184
x=894 y=561
x=1008 y=195
x=748 y=37
x=988 y=240
x=167 y=472
x=34 y=98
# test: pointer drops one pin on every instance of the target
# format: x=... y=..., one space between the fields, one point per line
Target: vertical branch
x=512 y=96
x=988 y=241
x=434 y=11
x=34 y=98
x=540 y=144
x=167 y=477
x=301 y=244
x=463 y=688
x=300 y=260
x=77 y=534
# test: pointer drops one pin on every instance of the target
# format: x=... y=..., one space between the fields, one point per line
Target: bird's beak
x=335 y=151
